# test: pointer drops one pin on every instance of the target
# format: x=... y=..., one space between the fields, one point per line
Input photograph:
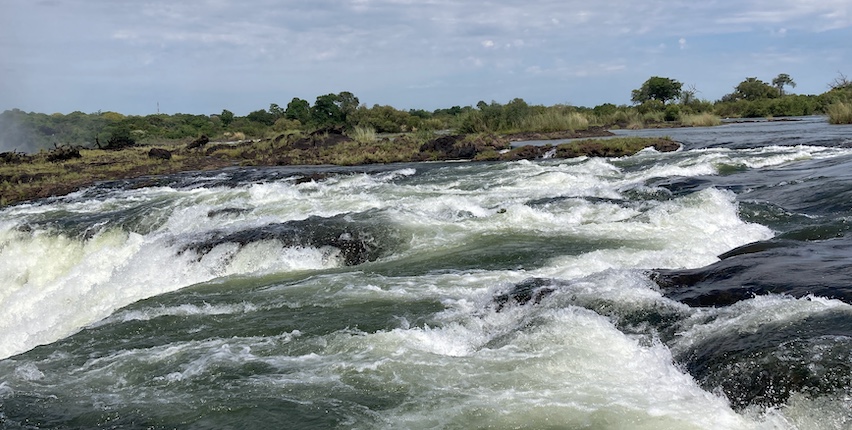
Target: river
x=707 y=288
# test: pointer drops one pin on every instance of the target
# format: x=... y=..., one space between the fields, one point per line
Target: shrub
x=672 y=113
x=364 y=134
x=705 y=119
x=651 y=106
x=839 y=113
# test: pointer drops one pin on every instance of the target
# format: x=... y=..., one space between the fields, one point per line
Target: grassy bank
x=26 y=177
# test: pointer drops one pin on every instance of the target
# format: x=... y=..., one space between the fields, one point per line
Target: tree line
x=659 y=99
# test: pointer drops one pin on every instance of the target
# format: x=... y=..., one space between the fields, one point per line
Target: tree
x=326 y=111
x=840 y=82
x=687 y=96
x=657 y=88
x=333 y=110
x=751 y=89
x=276 y=110
x=227 y=117
x=781 y=81
x=348 y=103
x=299 y=110
x=261 y=116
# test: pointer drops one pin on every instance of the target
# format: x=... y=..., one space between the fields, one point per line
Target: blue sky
x=202 y=56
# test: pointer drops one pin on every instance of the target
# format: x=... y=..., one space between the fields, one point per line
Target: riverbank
x=65 y=170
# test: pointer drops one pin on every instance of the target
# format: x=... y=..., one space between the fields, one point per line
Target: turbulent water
x=707 y=288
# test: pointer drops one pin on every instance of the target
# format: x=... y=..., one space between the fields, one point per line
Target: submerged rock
x=531 y=290
x=777 y=266
x=359 y=241
x=763 y=367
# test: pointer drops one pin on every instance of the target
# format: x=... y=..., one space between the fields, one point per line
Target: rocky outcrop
x=198 y=143
x=63 y=153
x=159 y=153
x=532 y=290
x=321 y=138
x=462 y=147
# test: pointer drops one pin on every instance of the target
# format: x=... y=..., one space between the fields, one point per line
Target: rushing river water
x=708 y=288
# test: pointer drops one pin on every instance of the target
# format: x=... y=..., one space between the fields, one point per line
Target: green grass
x=705 y=119
x=553 y=120
x=364 y=134
x=839 y=113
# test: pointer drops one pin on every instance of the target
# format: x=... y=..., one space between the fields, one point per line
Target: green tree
x=276 y=111
x=347 y=103
x=781 y=81
x=334 y=110
x=657 y=88
x=326 y=111
x=261 y=116
x=752 y=89
x=299 y=110
x=227 y=117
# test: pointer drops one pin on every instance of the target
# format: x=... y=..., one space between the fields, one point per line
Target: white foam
x=747 y=316
x=688 y=232
x=55 y=285
x=569 y=363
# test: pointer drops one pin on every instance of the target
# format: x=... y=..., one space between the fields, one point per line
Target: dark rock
x=777 y=266
x=313 y=177
x=63 y=153
x=358 y=240
x=324 y=137
x=527 y=152
x=198 y=143
x=462 y=147
x=162 y=154
x=13 y=157
x=226 y=211
x=530 y=290
x=764 y=366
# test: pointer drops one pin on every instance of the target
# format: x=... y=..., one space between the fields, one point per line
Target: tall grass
x=839 y=113
x=553 y=120
x=364 y=134
x=705 y=119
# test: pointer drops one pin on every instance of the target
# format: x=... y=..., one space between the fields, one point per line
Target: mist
x=15 y=134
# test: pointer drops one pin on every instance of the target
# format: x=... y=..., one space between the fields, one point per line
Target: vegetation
x=50 y=154
x=781 y=81
x=840 y=113
x=659 y=89
x=705 y=119
x=24 y=177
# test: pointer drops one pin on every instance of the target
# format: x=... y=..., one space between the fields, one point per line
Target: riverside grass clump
x=839 y=113
x=554 y=120
x=362 y=134
x=705 y=119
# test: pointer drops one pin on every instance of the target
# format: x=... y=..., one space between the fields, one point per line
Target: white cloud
x=370 y=45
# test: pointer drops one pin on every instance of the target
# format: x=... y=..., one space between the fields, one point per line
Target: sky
x=203 y=56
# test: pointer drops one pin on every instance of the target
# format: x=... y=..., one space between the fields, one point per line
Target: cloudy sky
x=202 y=56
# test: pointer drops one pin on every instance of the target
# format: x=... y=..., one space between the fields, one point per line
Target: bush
x=839 y=113
x=672 y=113
x=651 y=106
x=705 y=119
x=364 y=134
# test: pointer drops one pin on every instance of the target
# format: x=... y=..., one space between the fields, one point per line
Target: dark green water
x=707 y=288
